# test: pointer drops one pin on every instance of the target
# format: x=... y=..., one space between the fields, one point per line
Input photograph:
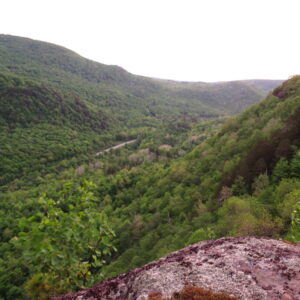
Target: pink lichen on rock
x=246 y=267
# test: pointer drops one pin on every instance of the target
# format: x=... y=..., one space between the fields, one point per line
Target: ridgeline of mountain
x=113 y=89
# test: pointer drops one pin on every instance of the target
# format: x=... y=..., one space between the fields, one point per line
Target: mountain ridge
x=42 y=83
x=44 y=61
x=67 y=52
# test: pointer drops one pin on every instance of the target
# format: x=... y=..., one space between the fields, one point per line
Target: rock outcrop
x=247 y=267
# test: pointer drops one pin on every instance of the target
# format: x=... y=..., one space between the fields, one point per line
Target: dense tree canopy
x=186 y=178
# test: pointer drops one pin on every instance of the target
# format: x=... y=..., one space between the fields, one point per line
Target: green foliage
x=295 y=229
x=295 y=165
x=60 y=109
x=245 y=216
x=38 y=287
x=281 y=170
x=202 y=234
x=260 y=184
x=65 y=244
x=235 y=218
x=286 y=207
x=239 y=186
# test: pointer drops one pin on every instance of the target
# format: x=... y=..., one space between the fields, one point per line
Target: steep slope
x=41 y=126
x=243 y=180
x=25 y=102
x=118 y=91
x=248 y=268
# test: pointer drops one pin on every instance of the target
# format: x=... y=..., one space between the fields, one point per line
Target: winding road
x=115 y=147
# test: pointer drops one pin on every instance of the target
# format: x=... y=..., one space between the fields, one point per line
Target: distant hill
x=47 y=89
x=116 y=91
x=264 y=85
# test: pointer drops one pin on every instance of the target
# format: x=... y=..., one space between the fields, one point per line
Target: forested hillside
x=41 y=126
x=242 y=179
x=119 y=92
x=69 y=218
x=58 y=108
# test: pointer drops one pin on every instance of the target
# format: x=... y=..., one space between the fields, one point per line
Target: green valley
x=208 y=160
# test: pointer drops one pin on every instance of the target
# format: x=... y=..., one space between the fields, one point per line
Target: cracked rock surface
x=249 y=268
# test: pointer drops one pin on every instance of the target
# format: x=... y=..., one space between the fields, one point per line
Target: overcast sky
x=196 y=40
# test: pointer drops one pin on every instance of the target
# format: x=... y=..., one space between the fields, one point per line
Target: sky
x=186 y=40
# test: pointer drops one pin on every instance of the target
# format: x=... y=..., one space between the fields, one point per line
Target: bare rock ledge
x=246 y=267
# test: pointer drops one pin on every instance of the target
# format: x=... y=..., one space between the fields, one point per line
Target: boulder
x=248 y=268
